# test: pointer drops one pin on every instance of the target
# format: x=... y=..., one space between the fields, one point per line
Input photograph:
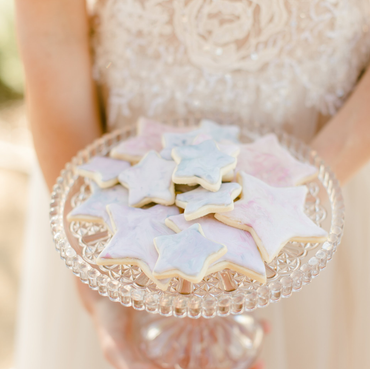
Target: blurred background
x=16 y=160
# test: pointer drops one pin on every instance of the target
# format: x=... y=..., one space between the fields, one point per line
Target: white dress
x=283 y=62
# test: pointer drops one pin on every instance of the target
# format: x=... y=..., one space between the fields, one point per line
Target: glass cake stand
x=218 y=329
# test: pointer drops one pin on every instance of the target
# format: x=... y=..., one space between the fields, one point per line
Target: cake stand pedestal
x=223 y=342
x=217 y=330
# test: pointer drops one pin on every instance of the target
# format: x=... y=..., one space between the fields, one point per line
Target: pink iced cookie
x=187 y=254
x=274 y=216
x=149 y=137
x=132 y=242
x=150 y=181
x=267 y=160
x=242 y=252
x=94 y=208
x=104 y=171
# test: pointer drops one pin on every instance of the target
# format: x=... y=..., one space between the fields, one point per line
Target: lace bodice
x=277 y=61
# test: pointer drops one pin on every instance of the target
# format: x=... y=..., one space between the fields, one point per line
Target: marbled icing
x=242 y=252
x=135 y=230
x=171 y=140
x=208 y=128
x=150 y=181
x=187 y=254
x=103 y=170
x=220 y=133
x=200 y=202
x=149 y=137
x=274 y=216
x=267 y=160
x=204 y=164
x=227 y=147
x=94 y=208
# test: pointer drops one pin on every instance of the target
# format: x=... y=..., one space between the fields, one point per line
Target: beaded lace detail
x=265 y=60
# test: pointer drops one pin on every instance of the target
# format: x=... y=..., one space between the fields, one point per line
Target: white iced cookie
x=149 y=181
x=242 y=252
x=132 y=242
x=104 y=171
x=171 y=140
x=187 y=254
x=230 y=148
x=227 y=148
x=203 y=164
x=220 y=133
x=274 y=216
x=149 y=137
x=200 y=202
x=266 y=159
x=94 y=208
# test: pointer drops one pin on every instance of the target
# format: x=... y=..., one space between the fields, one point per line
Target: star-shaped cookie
x=266 y=159
x=149 y=181
x=149 y=137
x=204 y=164
x=104 y=171
x=187 y=254
x=274 y=216
x=220 y=133
x=135 y=230
x=94 y=208
x=231 y=149
x=242 y=252
x=171 y=140
x=227 y=148
x=200 y=202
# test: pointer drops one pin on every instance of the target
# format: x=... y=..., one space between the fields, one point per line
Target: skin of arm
x=61 y=98
x=344 y=142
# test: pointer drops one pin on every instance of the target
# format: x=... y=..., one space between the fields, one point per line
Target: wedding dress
x=290 y=63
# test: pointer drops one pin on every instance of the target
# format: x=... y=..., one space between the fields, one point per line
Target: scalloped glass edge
x=193 y=306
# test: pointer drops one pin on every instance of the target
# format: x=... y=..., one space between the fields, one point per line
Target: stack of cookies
x=187 y=202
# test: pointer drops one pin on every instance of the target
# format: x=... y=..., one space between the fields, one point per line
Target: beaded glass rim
x=219 y=294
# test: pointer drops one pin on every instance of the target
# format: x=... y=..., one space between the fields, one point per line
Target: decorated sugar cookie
x=274 y=216
x=230 y=148
x=187 y=254
x=171 y=140
x=204 y=164
x=150 y=181
x=200 y=202
x=227 y=148
x=94 y=208
x=266 y=159
x=220 y=133
x=104 y=171
x=135 y=230
x=149 y=137
x=242 y=252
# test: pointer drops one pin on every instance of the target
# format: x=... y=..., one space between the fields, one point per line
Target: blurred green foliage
x=11 y=72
